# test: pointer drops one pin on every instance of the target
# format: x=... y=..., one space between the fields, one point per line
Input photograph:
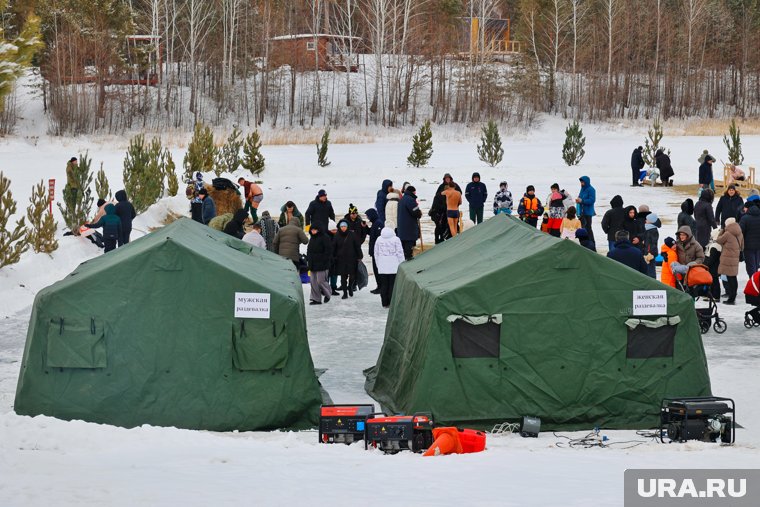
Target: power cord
x=596 y=439
x=504 y=428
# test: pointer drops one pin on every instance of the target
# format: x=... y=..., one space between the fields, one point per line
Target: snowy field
x=45 y=460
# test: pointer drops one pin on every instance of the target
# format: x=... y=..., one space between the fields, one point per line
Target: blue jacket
x=111 y=224
x=382 y=195
x=587 y=195
x=375 y=229
x=209 y=209
x=476 y=193
x=705 y=174
x=631 y=256
x=408 y=214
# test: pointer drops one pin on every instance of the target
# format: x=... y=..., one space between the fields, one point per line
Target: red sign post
x=51 y=194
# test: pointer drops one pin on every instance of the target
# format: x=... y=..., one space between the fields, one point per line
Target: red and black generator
x=343 y=424
x=392 y=434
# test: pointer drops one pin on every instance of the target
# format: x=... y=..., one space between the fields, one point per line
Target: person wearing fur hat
x=729 y=206
x=582 y=236
x=346 y=253
x=388 y=253
x=320 y=211
x=530 y=207
x=669 y=256
x=732 y=241
x=502 y=202
x=356 y=224
x=476 y=194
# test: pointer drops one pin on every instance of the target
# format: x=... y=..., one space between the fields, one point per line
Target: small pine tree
x=12 y=243
x=422 y=146
x=102 y=189
x=734 y=144
x=78 y=202
x=228 y=156
x=143 y=174
x=490 y=150
x=652 y=143
x=253 y=159
x=575 y=142
x=16 y=55
x=322 y=149
x=170 y=169
x=201 y=152
x=41 y=231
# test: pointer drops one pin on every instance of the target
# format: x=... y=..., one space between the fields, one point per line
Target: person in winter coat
x=651 y=240
x=613 y=219
x=453 y=201
x=750 y=226
x=729 y=206
x=375 y=229
x=208 y=208
x=236 y=226
x=686 y=216
x=702 y=157
x=126 y=213
x=530 y=207
x=320 y=211
x=669 y=256
x=111 y=224
x=706 y=179
x=253 y=195
x=409 y=215
x=732 y=241
x=556 y=204
x=637 y=164
x=569 y=225
x=319 y=257
x=712 y=261
x=254 y=237
x=502 y=201
x=634 y=227
x=476 y=194
x=585 y=205
x=582 y=236
x=71 y=180
x=288 y=240
x=388 y=253
x=438 y=210
x=662 y=162
x=628 y=254
x=288 y=211
x=382 y=196
x=704 y=217
x=688 y=251
x=346 y=254
x=391 y=208
x=356 y=224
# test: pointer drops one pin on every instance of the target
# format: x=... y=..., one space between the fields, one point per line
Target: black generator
x=343 y=424
x=708 y=419
x=392 y=434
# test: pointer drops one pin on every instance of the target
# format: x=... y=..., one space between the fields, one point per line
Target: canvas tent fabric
x=147 y=334
x=560 y=348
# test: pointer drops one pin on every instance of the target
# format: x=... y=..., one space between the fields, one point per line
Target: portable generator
x=392 y=434
x=343 y=424
x=709 y=419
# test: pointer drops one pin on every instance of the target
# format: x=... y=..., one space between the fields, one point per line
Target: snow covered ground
x=44 y=460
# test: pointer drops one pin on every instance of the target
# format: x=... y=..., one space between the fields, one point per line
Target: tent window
x=76 y=343
x=259 y=344
x=475 y=340
x=647 y=342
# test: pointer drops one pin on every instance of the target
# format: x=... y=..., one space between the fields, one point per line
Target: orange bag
x=698 y=275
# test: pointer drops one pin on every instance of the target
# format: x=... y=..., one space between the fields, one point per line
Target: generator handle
x=366 y=435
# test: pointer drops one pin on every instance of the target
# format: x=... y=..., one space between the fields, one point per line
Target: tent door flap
x=259 y=345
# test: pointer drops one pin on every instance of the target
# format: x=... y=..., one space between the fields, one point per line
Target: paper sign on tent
x=252 y=305
x=650 y=302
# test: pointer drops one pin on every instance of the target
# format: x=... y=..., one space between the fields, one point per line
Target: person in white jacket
x=391 y=207
x=388 y=255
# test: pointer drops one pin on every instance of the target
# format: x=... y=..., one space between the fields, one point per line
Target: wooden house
x=487 y=37
x=306 y=52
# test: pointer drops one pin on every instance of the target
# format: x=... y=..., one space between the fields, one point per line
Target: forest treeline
x=416 y=60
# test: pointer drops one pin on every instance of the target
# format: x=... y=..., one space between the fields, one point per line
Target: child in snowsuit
x=502 y=202
x=669 y=256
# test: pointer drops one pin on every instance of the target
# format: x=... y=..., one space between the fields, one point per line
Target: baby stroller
x=697 y=283
x=752 y=297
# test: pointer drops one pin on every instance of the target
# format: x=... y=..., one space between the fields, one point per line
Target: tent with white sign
x=185 y=327
x=504 y=321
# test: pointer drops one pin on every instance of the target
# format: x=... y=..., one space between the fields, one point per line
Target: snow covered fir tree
x=573 y=149
x=422 y=146
x=490 y=150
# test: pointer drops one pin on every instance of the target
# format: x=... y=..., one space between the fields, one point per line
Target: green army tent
x=185 y=327
x=504 y=321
